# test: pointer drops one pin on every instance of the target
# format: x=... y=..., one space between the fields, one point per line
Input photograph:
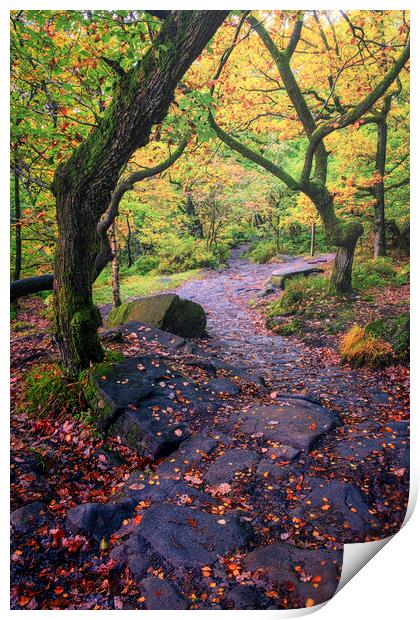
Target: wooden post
x=312 y=239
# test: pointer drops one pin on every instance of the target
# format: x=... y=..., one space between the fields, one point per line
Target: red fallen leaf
x=192 y=522
x=58 y=590
x=106 y=568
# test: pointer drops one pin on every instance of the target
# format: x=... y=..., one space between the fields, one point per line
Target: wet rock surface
x=229 y=465
x=298 y=424
x=98 y=520
x=336 y=509
x=308 y=575
x=29 y=517
x=256 y=466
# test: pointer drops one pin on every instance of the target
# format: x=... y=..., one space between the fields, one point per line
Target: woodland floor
x=63 y=463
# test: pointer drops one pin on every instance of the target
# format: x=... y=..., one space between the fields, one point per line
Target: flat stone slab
x=222 y=386
x=191 y=452
x=148 y=333
x=141 y=399
x=131 y=381
x=279 y=277
x=358 y=449
x=226 y=466
x=298 y=574
x=298 y=424
x=182 y=537
x=138 y=488
x=162 y=594
x=337 y=510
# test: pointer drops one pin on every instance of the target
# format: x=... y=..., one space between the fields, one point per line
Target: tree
x=313 y=177
x=82 y=185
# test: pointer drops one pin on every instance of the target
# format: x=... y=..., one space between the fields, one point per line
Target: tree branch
x=350 y=117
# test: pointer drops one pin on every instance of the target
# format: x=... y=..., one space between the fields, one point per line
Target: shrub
x=142 y=265
x=359 y=348
x=403 y=275
x=262 y=252
x=298 y=292
x=374 y=273
x=237 y=234
x=396 y=331
x=178 y=254
x=47 y=392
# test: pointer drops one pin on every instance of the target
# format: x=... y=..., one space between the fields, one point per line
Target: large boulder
x=167 y=311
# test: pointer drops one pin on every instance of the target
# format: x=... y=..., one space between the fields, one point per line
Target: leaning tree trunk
x=379 y=241
x=83 y=184
x=116 y=297
x=76 y=317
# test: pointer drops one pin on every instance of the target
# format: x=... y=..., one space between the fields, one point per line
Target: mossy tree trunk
x=84 y=183
x=379 y=241
x=18 y=227
x=343 y=234
x=116 y=295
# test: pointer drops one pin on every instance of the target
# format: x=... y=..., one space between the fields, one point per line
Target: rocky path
x=238 y=335
x=252 y=485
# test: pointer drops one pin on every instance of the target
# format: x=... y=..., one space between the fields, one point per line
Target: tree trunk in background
x=115 y=268
x=83 y=184
x=379 y=241
x=312 y=239
x=194 y=223
x=18 y=229
x=129 y=257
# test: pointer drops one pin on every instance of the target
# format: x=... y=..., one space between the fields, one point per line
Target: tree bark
x=342 y=270
x=312 y=239
x=83 y=184
x=379 y=240
x=29 y=286
x=116 y=297
x=129 y=257
x=18 y=228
